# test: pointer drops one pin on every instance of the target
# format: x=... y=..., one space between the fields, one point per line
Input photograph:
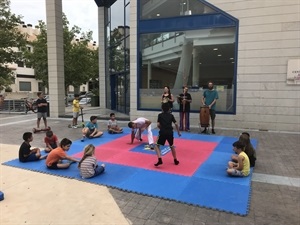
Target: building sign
x=293 y=72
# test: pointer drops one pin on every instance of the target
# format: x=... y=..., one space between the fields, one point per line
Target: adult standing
x=184 y=100
x=209 y=99
x=167 y=97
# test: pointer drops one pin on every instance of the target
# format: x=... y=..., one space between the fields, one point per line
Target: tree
x=11 y=42
x=79 y=65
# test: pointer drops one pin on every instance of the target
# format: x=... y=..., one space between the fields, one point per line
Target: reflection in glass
x=190 y=58
x=118 y=57
x=155 y=9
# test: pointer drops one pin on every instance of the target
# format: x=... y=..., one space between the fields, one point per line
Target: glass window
x=190 y=58
x=25 y=86
x=157 y=9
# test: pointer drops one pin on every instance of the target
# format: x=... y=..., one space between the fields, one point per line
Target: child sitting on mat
x=164 y=123
x=51 y=141
x=112 y=125
x=91 y=129
x=242 y=167
x=249 y=149
x=88 y=164
x=55 y=157
x=26 y=154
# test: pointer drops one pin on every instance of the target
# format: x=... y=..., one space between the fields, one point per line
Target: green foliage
x=9 y=37
x=81 y=62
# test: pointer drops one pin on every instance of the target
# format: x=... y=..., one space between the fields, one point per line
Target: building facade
x=244 y=47
x=249 y=49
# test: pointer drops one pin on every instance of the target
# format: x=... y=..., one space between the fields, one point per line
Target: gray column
x=55 y=42
x=103 y=83
x=196 y=67
x=184 y=65
x=149 y=72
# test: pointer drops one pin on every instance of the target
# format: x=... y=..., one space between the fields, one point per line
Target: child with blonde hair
x=88 y=164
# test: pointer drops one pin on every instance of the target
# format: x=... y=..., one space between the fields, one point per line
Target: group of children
x=238 y=166
x=88 y=166
x=57 y=157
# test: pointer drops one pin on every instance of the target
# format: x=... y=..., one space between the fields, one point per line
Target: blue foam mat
x=208 y=187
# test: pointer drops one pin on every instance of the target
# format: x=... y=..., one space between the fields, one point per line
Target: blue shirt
x=92 y=126
x=210 y=96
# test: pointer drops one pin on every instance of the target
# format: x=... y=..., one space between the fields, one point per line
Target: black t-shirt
x=167 y=99
x=41 y=109
x=24 y=150
x=187 y=106
x=165 y=120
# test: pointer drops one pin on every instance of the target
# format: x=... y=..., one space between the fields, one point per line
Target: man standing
x=209 y=99
x=184 y=100
x=141 y=124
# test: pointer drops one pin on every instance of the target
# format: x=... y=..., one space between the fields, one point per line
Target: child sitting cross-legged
x=51 y=141
x=242 y=167
x=112 y=125
x=88 y=164
x=26 y=153
x=91 y=129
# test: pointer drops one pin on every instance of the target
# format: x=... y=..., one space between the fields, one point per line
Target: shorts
x=75 y=115
x=31 y=158
x=53 y=166
x=53 y=145
x=237 y=173
x=88 y=134
x=212 y=114
x=165 y=137
x=42 y=114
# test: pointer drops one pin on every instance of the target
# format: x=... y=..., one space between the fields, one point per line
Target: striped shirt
x=87 y=167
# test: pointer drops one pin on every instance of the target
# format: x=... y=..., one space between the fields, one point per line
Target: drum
x=204 y=116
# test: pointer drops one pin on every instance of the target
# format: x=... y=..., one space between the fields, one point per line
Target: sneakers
x=204 y=131
x=159 y=162
x=213 y=131
x=74 y=127
x=176 y=162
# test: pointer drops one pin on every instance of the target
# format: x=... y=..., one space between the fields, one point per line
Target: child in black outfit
x=164 y=123
x=25 y=153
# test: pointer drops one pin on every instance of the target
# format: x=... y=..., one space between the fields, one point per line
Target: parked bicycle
x=30 y=106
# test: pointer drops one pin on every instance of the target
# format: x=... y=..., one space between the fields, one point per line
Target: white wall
x=269 y=35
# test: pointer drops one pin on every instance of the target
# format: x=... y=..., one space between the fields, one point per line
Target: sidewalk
x=30 y=197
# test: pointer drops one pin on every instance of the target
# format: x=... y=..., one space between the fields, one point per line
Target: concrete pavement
x=33 y=197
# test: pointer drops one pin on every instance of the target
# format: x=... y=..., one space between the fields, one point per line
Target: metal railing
x=13 y=106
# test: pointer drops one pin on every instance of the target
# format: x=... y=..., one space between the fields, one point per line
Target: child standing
x=76 y=108
x=42 y=107
x=164 y=123
x=91 y=129
x=55 y=157
x=25 y=153
x=112 y=125
x=242 y=167
x=51 y=141
x=88 y=164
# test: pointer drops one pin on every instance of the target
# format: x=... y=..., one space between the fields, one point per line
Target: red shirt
x=51 y=140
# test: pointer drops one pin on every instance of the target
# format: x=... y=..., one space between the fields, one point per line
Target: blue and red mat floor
x=200 y=178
